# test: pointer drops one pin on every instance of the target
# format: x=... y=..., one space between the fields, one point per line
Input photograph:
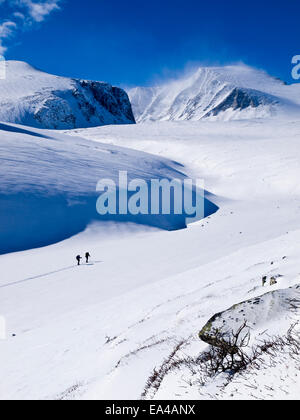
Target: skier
x=78 y=258
x=264 y=280
x=87 y=256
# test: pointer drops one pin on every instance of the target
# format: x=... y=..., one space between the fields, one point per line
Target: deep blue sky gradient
x=135 y=42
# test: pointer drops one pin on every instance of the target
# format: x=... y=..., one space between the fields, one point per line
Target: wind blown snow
x=216 y=93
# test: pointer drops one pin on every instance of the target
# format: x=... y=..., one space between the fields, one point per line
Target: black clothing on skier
x=87 y=256
x=78 y=258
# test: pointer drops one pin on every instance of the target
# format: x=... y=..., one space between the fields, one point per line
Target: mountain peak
x=31 y=97
x=229 y=92
x=19 y=66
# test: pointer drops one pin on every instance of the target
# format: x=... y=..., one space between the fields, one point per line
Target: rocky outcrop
x=86 y=104
x=37 y=99
x=241 y=99
x=257 y=313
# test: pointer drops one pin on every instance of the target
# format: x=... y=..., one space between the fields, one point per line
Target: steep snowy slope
x=231 y=92
x=99 y=330
x=31 y=97
x=48 y=185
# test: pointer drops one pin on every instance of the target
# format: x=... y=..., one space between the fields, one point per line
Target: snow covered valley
x=127 y=324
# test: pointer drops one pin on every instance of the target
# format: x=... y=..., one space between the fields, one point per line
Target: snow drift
x=224 y=93
x=48 y=185
x=37 y=99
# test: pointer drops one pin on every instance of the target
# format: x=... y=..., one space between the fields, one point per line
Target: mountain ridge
x=229 y=92
x=34 y=98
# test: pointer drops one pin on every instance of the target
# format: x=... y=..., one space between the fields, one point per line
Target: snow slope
x=34 y=98
x=48 y=185
x=99 y=330
x=217 y=93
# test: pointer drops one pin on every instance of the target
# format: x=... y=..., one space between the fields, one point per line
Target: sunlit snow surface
x=99 y=330
x=48 y=185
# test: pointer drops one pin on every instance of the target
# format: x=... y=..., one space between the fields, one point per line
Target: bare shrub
x=157 y=376
x=231 y=355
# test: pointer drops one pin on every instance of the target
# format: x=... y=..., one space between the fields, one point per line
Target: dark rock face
x=240 y=99
x=86 y=104
x=112 y=99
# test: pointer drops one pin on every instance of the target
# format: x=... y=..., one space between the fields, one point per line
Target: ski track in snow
x=72 y=267
x=100 y=332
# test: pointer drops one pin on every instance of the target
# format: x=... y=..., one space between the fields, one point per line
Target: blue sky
x=136 y=42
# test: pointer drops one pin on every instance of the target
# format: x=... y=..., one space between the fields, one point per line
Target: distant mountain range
x=223 y=93
x=34 y=98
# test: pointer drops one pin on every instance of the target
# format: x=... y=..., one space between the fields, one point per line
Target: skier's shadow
x=93 y=263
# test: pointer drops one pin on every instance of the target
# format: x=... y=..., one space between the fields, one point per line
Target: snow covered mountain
x=126 y=324
x=33 y=98
x=223 y=93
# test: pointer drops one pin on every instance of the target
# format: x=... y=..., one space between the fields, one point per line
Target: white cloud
x=3 y=49
x=24 y=14
x=19 y=15
x=7 y=30
x=38 y=11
